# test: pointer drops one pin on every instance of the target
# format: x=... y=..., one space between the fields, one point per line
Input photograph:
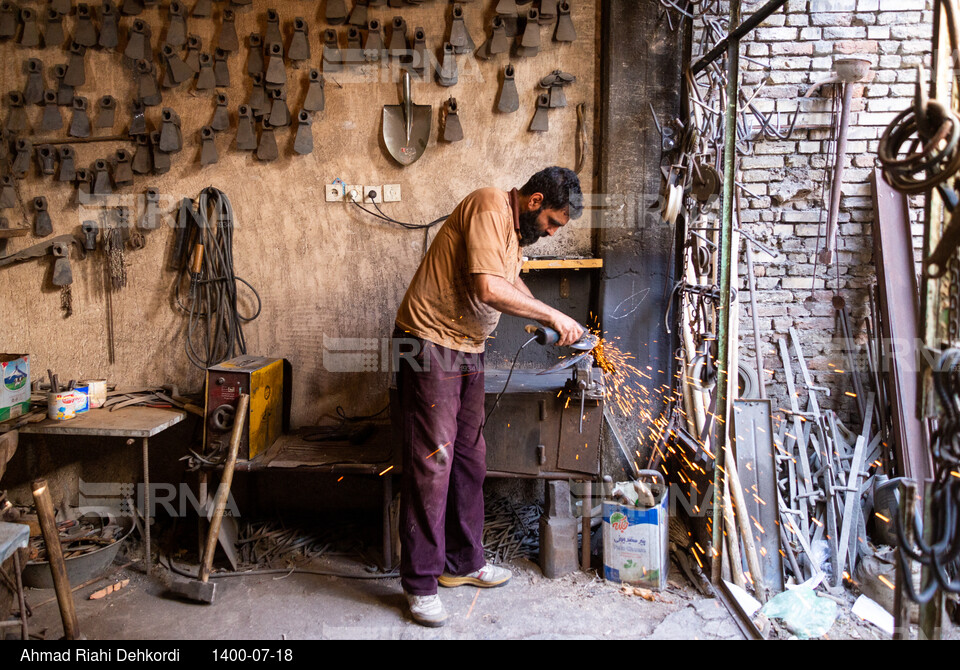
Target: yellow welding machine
x=267 y=382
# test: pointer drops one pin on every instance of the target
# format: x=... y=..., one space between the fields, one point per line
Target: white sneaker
x=486 y=577
x=427 y=610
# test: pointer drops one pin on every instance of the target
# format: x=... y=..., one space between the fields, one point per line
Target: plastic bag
x=803 y=612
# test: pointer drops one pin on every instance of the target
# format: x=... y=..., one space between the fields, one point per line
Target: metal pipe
x=724 y=267
x=586 y=519
x=826 y=256
x=757 y=346
x=755 y=19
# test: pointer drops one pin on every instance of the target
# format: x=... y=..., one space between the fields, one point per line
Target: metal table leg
x=586 y=519
x=387 y=499
x=147 y=516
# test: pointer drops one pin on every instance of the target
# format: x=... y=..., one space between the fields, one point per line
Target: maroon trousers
x=444 y=462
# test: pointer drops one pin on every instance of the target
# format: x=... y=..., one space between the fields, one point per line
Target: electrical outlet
x=353 y=193
x=391 y=192
x=378 y=198
x=334 y=192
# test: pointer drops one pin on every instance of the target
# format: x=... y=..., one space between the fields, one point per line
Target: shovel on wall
x=406 y=127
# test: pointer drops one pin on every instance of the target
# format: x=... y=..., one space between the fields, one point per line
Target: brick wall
x=789 y=180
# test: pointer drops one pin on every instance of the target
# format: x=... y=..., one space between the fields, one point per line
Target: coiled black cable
x=215 y=324
x=941 y=551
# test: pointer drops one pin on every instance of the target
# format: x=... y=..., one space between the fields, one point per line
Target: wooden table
x=129 y=423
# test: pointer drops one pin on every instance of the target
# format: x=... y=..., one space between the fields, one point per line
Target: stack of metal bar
x=510 y=531
x=825 y=470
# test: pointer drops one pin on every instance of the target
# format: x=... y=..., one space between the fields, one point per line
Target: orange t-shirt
x=478 y=238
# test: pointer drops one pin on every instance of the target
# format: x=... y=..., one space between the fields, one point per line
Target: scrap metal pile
x=794 y=485
x=509 y=531
x=77 y=537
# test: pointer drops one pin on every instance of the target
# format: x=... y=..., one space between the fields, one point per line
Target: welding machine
x=267 y=382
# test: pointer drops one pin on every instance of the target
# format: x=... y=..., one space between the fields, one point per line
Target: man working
x=469 y=276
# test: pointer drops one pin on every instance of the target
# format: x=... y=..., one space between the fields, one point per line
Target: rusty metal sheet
x=900 y=314
x=513 y=434
x=580 y=451
x=757 y=467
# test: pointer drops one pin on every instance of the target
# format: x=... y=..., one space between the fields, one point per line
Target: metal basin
x=850 y=70
x=85 y=567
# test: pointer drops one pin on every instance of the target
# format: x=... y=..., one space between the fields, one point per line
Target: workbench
x=376 y=457
x=130 y=423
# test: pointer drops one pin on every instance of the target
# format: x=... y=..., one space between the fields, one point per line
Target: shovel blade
x=406 y=149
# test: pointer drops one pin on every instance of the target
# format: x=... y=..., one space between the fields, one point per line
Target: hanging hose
x=941 y=551
x=215 y=324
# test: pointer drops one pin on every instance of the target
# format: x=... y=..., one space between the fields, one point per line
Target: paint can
x=83 y=401
x=62 y=406
x=96 y=392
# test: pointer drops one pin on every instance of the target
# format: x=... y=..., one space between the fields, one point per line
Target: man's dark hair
x=560 y=188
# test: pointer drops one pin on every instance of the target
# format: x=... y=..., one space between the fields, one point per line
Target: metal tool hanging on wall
x=42 y=225
x=79 y=122
x=497 y=42
x=51 y=119
x=30 y=33
x=508 y=100
x=303 y=142
x=106 y=116
x=336 y=12
x=314 y=101
x=109 y=38
x=85 y=32
x=59 y=248
x=171 y=139
x=227 y=40
x=67 y=171
x=332 y=57
x=47 y=159
x=554 y=83
x=221 y=115
x=152 y=216
x=299 y=44
x=205 y=77
x=460 y=37
x=208 y=149
x=530 y=40
x=421 y=56
x=176 y=71
x=17 y=114
x=541 y=120
x=452 y=130
x=246 y=135
x=142 y=162
x=447 y=73
x=33 y=90
x=53 y=35
x=221 y=70
x=566 y=32
x=406 y=127
x=267 y=146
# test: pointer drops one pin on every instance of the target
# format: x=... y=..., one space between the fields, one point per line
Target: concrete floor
x=301 y=606
x=297 y=606
x=311 y=607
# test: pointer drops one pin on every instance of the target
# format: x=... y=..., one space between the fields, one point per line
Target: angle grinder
x=544 y=336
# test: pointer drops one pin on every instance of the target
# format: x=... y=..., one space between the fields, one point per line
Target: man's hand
x=568 y=329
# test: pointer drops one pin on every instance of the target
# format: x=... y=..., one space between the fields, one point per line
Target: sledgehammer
x=202 y=590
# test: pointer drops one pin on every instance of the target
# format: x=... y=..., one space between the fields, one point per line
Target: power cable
x=214 y=322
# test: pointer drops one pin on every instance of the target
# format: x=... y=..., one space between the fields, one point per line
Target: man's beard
x=529 y=232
